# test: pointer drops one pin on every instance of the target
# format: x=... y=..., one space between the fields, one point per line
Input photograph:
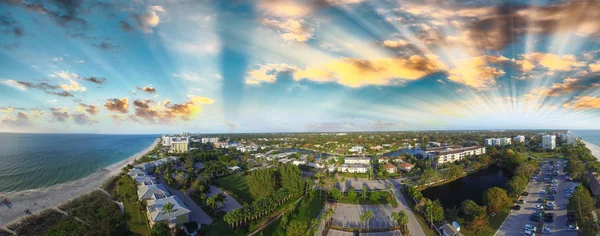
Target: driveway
x=231 y=203
x=197 y=214
x=333 y=232
x=348 y=215
x=414 y=228
x=514 y=224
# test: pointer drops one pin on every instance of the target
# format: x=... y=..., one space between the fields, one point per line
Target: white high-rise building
x=548 y=142
x=166 y=141
x=519 y=139
x=210 y=140
x=498 y=141
x=571 y=139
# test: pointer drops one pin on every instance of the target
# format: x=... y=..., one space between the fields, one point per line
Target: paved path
x=414 y=228
x=231 y=203
x=348 y=215
x=197 y=214
x=333 y=232
x=514 y=224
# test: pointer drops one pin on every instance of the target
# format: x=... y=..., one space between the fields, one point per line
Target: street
x=516 y=220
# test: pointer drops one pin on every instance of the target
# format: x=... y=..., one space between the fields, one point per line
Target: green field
x=544 y=154
x=237 y=185
x=137 y=221
x=494 y=224
x=304 y=211
x=383 y=199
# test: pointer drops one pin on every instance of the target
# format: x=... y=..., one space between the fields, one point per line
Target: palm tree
x=168 y=208
x=395 y=217
x=328 y=214
x=366 y=216
x=141 y=209
x=184 y=190
x=403 y=221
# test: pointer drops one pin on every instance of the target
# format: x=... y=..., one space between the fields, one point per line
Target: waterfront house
x=179 y=215
x=383 y=160
x=234 y=169
x=147 y=167
x=390 y=168
x=137 y=172
x=157 y=191
x=299 y=162
x=449 y=229
x=356 y=149
x=144 y=180
x=357 y=160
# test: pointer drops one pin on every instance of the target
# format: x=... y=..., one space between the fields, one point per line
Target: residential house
x=234 y=169
x=179 y=215
x=157 y=191
x=383 y=160
x=449 y=229
x=137 y=172
x=390 y=168
x=356 y=149
x=144 y=180
x=405 y=166
x=299 y=162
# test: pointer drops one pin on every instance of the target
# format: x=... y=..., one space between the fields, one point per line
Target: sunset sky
x=276 y=66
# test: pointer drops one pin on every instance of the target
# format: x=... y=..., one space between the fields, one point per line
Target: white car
x=539 y=207
x=530 y=227
x=568 y=195
x=528 y=233
x=573 y=228
x=546 y=230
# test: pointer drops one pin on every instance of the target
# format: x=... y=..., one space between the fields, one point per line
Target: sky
x=169 y=66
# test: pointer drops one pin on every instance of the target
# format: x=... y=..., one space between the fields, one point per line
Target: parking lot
x=515 y=222
x=348 y=216
x=333 y=232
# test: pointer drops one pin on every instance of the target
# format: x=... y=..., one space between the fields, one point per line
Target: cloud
x=394 y=44
x=150 y=19
x=147 y=88
x=7 y=109
x=62 y=94
x=352 y=72
x=73 y=86
x=552 y=62
x=125 y=26
x=8 y=25
x=96 y=80
x=595 y=67
x=64 y=13
x=21 y=119
x=80 y=62
x=476 y=71
x=568 y=86
x=59 y=115
x=106 y=46
x=166 y=111
x=291 y=30
x=14 y=84
x=91 y=109
x=82 y=119
x=584 y=103
x=268 y=73
x=284 y=9
x=117 y=105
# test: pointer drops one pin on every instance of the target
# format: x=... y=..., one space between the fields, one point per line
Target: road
x=514 y=223
x=197 y=214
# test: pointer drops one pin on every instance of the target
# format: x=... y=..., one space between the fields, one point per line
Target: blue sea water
x=590 y=136
x=31 y=161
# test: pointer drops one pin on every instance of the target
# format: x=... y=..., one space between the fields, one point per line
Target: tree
x=336 y=194
x=366 y=216
x=352 y=194
x=168 y=208
x=296 y=228
x=474 y=215
x=588 y=228
x=402 y=220
x=429 y=176
x=328 y=214
x=291 y=178
x=495 y=199
x=184 y=191
x=455 y=171
x=452 y=213
x=581 y=202
x=364 y=192
x=374 y=196
x=160 y=229
x=262 y=183
x=434 y=212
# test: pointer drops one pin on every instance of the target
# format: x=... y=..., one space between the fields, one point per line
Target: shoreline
x=37 y=200
x=593 y=148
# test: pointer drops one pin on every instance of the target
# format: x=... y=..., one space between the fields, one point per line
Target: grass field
x=494 y=224
x=304 y=211
x=237 y=185
x=219 y=227
x=383 y=199
x=544 y=154
x=137 y=221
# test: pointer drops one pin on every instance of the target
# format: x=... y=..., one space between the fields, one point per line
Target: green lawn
x=137 y=221
x=360 y=201
x=219 y=227
x=237 y=185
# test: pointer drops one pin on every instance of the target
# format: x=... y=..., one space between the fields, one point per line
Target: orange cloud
x=268 y=73
x=476 y=71
x=549 y=61
x=117 y=105
x=355 y=73
x=584 y=103
x=398 y=43
x=286 y=9
x=291 y=29
x=595 y=67
x=167 y=112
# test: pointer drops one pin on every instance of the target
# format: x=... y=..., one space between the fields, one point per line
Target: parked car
x=520 y=201
x=546 y=230
x=530 y=227
x=568 y=195
x=573 y=228
x=535 y=218
x=516 y=207
x=528 y=233
x=539 y=207
x=525 y=193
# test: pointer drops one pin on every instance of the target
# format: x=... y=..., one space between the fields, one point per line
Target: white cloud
x=14 y=84
x=150 y=19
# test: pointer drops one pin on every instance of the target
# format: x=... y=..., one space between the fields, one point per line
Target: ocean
x=590 y=136
x=31 y=161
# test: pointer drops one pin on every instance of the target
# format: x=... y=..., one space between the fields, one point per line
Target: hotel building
x=548 y=142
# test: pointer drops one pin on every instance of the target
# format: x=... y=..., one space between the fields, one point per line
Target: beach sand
x=37 y=200
x=595 y=149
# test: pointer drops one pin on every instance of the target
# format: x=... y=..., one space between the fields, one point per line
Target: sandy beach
x=595 y=149
x=37 y=200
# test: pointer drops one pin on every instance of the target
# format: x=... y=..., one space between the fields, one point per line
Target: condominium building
x=519 y=139
x=458 y=154
x=350 y=168
x=179 y=215
x=180 y=144
x=210 y=140
x=548 y=142
x=356 y=149
x=497 y=141
x=357 y=160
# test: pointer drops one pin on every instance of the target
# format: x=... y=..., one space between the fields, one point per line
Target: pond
x=318 y=155
x=469 y=187
x=412 y=151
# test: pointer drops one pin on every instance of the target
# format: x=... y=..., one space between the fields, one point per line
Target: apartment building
x=458 y=154
x=548 y=142
x=497 y=141
x=357 y=160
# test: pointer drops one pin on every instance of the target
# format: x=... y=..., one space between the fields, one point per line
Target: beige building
x=458 y=154
x=156 y=213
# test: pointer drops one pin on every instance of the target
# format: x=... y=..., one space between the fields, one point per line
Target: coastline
x=37 y=200
x=593 y=148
